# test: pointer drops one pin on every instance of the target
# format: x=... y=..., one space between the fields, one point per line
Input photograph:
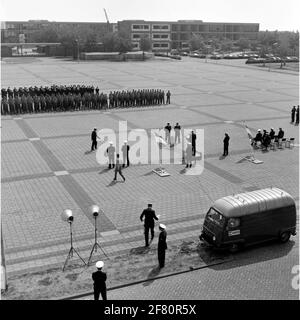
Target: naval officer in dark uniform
x=94 y=139
x=149 y=215
x=162 y=245
x=99 y=278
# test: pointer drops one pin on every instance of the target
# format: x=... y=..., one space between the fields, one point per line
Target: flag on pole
x=250 y=136
x=159 y=139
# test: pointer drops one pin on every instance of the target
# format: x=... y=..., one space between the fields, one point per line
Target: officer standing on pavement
x=293 y=111
x=149 y=222
x=189 y=155
x=99 y=278
x=94 y=139
x=193 y=137
x=168 y=97
x=162 y=245
x=111 y=155
x=168 y=129
x=226 y=144
x=125 y=152
x=177 y=129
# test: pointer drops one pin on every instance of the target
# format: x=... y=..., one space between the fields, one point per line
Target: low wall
x=115 y=56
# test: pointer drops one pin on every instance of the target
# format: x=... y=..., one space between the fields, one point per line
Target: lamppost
x=77 y=44
x=67 y=216
x=95 y=212
x=3 y=266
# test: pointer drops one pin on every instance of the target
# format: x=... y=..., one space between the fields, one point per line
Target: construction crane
x=106 y=16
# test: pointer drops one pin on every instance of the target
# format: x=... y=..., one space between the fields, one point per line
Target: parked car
x=185 y=54
x=216 y=56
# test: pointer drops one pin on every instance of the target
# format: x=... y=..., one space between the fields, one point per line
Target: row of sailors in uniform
x=43 y=90
x=67 y=102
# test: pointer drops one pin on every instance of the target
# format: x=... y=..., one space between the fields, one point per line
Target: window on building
x=159 y=27
x=158 y=36
x=141 y=27
x=160 y=45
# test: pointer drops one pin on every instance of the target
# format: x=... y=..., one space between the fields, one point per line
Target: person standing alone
x=94 y=140
x=125 y=152
x=162 y=245
x=226 y=144
x=99 y=278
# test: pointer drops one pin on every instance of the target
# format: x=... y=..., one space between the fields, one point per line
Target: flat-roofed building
x=14 y=31
x=166 y=35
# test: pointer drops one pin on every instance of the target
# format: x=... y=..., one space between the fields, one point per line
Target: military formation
x=75 y=97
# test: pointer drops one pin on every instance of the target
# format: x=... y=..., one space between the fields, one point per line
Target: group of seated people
x=265 y=138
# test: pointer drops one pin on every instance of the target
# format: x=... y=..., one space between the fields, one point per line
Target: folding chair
x=290 y=143
x=273 y=145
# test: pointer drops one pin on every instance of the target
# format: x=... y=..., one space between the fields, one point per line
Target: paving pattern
x=46 y=166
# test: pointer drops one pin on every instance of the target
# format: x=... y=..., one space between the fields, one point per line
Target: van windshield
x=215 y=217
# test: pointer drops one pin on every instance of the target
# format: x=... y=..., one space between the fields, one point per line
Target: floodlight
x=67 y=215
x=95 y=210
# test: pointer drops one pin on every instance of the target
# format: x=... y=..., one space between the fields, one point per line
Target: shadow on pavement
x=140 y=250
x=249 y=255
x=151 y=276
x=148 y=174
x=222 y=157
x=88 y=152
x=104 y=171
x=114 y=182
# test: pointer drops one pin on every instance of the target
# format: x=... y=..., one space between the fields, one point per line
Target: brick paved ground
x=46 y=167
x=257 y=273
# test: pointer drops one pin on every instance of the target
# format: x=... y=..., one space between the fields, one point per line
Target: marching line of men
x=73 y=98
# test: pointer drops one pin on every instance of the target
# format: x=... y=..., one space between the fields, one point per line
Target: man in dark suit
x=226 y=144
x=94 y=139
x=162 y=245
x=193 y=138
x=99 y=278
x=149 y=215
x=125 y=152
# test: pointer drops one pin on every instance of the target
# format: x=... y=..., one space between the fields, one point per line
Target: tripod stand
x=96 y=244
x=72 y=249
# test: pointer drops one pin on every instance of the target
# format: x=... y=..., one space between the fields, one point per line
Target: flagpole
x=3 y=266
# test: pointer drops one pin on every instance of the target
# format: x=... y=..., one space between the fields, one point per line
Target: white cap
x=125 y=141
x=162 y=226
x=99 y=264
x=259 y=130
x=110 y=142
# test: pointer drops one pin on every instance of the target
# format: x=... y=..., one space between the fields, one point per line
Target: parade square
x=47 y=166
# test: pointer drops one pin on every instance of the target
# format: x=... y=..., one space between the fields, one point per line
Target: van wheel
x=234 y=248
x=285 y=237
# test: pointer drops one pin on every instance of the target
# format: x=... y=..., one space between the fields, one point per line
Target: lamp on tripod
x=67 y=216
x=95 y=212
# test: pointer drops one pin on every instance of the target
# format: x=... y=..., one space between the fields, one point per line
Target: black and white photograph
x=150 y=153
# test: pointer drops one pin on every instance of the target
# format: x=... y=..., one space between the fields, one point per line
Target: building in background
x=11 y=31
x=163 y=35
x=166 y=35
